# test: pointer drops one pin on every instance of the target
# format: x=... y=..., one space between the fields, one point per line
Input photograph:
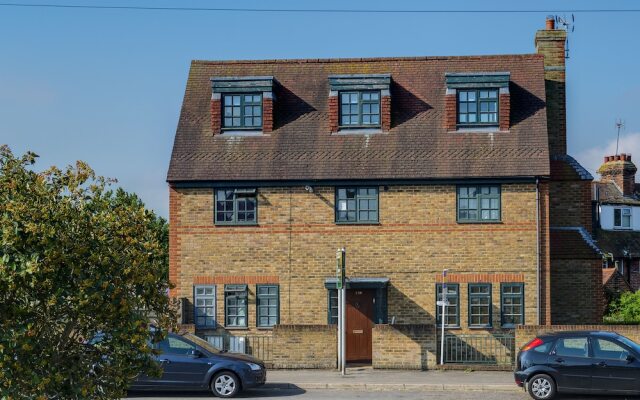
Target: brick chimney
x=550 y=42
x=620 y=170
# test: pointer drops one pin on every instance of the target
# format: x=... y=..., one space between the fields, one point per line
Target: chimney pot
x=606 y=159
x=551 y=23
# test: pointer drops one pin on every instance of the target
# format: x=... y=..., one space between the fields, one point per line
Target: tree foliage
x=625 y=309
x=78 y=260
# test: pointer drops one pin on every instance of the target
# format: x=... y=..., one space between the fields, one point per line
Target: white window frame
x=622 y=215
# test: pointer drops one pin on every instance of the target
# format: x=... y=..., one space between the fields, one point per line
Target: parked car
x=579 y=362
x=191 y=363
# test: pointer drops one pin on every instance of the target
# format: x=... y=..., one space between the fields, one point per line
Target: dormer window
x=478 y=107
x=360 y=103
x=478 y=100
x=360 y=109
x=622 y=218
x=242 y=105
x=242 y=111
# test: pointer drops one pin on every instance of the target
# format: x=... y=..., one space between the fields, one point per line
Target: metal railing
x=257 y=346
x=491 y=349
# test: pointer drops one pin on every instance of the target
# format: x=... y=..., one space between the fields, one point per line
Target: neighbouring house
x=414 y=165
x=616 y=213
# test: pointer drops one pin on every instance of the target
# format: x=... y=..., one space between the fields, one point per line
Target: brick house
x=616 y=200
x=411 y=164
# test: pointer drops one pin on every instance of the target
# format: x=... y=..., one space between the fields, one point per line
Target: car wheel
x=225 y=384
x=541 y=387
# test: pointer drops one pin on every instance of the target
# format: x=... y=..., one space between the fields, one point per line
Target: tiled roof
x=565 y=167
x=619 y=243
x=416 y=147
x=612 y=278
x=610 y=194
x=573 y=243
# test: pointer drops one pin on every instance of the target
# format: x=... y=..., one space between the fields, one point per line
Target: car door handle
x=560 y=360
x=165 y=361
x=600 y=364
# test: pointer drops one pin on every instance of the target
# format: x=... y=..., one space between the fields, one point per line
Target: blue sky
x=105 y=86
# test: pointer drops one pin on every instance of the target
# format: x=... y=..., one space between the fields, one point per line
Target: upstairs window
x=355 y=205
x=242 y=111
x=622 y=218
x=360 y=109
x=479 y=203
x=478 y=107
x=236 y=207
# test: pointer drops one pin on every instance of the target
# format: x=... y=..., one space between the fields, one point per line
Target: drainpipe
x=538 y=247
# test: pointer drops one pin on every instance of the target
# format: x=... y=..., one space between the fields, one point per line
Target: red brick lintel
x=481 y=278
x=235 y=279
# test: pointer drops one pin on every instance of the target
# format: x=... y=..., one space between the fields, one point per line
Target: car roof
x=553 y=334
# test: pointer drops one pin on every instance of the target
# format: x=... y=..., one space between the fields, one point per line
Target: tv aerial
x=569 y=25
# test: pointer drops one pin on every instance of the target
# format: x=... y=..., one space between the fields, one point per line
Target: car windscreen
x=635 y=346
x=201 y=342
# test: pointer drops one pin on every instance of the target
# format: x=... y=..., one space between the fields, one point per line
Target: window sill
x=449 y=327
x=217 y=224
x=264 y=328
x=357 y=131
x=239 y=132
x=618 y=228
x=477 y=327
x=479 y=222
x=358 y=223
x=236 y=328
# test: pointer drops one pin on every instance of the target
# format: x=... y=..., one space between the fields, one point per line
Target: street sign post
x=342 y=302
x=444 y=302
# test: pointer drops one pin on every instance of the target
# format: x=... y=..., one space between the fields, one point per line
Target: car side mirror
x=630 y=359
x=195 y=353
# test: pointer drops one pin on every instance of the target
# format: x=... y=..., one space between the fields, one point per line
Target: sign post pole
x=339 y=290
x=343 y=305
x=443 y=314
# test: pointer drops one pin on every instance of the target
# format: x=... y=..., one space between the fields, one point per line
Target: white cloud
x=592 y=158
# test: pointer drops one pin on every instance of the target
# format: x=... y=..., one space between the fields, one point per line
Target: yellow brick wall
x=296 y=238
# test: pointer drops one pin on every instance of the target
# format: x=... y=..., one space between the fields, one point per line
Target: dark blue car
x=588 y=362
x=191 y=363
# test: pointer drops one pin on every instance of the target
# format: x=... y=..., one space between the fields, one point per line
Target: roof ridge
x=365 y=59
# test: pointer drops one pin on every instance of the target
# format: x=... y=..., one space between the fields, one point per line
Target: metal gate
x=489 y=349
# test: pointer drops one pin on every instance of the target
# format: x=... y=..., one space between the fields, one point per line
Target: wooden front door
x=359 y=325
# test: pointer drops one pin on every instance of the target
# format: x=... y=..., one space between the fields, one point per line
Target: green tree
x=625 y=309
x=77 y=261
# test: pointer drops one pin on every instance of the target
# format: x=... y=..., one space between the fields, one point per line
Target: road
x=331 y=394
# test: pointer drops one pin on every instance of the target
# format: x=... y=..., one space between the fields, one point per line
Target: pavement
x=368 y=379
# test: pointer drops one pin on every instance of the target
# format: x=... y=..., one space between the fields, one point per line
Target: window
x=173 y=345
x=622 y=218
x=236 y=207
x=235 y=306
x=242 y=111
x=572 y=347
x=357 y=205
x=512 y=304
x=360 y=109
x=452 y=310
x=332 y=309
x=480 y=305
x=267 y=303
x=609 y=350
x=478 y=203
x=205 y=306
x=478 y=107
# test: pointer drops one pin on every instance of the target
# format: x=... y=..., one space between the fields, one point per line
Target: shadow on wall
x=406 y=105
x=290 y=106
x=405 y=309
x=524 y=104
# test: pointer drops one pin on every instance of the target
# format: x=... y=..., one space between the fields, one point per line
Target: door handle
x=560 y=360
x=600 y=364
x=165 y=361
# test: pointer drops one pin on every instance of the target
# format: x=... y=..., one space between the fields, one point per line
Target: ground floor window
x=235 y=310
x=332 y=309
x=480 y=305
x=512 y=304
x=205 y=305
x=452 y=310
x=267 y=303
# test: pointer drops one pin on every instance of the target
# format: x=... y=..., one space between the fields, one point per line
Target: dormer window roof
x=363 y=102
